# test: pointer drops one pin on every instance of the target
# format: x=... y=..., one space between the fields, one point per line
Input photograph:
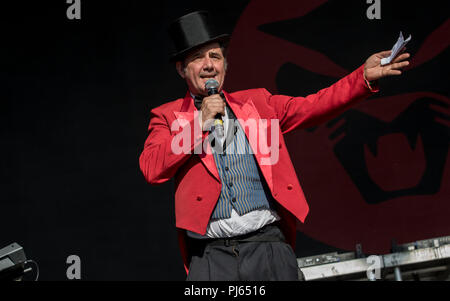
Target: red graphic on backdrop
x=382 y=169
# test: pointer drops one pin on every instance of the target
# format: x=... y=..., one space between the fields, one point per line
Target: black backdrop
x=74 y=116
x=73 y=123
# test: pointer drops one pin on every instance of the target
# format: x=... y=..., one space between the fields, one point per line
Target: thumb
x=385 y=53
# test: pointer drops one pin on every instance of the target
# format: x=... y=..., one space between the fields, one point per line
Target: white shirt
x=238 y=225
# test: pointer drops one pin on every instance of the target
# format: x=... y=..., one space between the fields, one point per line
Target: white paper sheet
x=401 y=42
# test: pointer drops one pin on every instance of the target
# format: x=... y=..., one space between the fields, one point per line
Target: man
x=236 y=204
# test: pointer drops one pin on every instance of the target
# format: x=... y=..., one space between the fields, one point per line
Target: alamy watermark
x=74 y=269
x=74 y=9
x=257 y=136
x=374 y=10
x=374 y=270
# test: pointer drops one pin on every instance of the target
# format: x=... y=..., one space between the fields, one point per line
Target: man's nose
x=208 y=64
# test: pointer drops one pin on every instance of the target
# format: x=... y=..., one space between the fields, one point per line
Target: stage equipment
x=13 y=263
x=421 y=260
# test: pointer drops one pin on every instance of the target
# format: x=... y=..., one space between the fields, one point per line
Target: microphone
x=211 y=86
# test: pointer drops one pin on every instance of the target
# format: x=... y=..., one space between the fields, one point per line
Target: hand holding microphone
x=213 y=107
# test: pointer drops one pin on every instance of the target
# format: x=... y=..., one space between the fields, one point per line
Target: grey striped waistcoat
x=243 y=186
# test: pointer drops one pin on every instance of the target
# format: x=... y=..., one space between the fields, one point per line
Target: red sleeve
x=314 y=109
x=158 y=162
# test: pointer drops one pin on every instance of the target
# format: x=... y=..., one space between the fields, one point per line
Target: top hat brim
x=224 y=38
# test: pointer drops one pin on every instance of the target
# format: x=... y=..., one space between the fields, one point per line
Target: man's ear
x=180 y=69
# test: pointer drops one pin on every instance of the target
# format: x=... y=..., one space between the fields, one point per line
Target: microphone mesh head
x=211 y=84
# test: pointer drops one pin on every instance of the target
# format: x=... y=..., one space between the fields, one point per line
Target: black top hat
x=191 y=31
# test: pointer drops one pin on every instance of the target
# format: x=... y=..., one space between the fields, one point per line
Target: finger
x=394 y=72
x=401 y=57
x=218 y=108
x=214 y=104
x=399 y=65
x=384 y=53
x=215 y=97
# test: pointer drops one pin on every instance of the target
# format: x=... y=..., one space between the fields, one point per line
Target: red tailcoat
x=197 y=180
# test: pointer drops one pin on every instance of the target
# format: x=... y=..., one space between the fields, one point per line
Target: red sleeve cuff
x=372 y=85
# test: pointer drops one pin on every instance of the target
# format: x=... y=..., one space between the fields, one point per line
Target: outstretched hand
x=374 y=71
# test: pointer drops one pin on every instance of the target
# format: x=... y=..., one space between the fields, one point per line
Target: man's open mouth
x=208 y=76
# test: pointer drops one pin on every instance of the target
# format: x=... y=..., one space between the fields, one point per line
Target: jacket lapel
x=187 y=113
x=244 y=111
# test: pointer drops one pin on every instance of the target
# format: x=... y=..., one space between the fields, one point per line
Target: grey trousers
x=249 y=260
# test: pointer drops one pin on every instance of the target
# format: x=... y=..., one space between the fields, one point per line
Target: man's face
x=202 y=64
